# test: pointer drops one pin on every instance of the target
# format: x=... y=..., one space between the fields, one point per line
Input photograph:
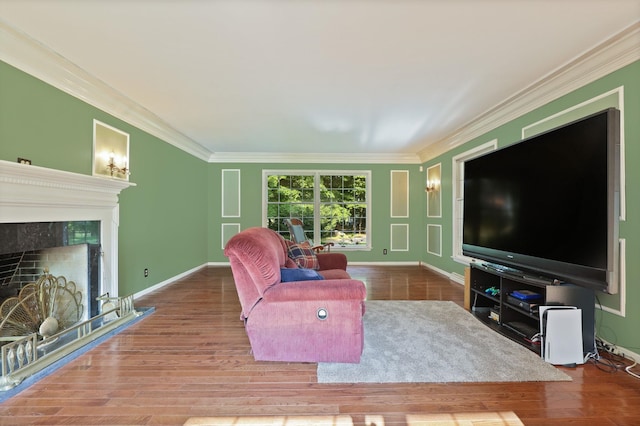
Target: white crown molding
x=609 y=56
x=313 y=158
x=32 y=57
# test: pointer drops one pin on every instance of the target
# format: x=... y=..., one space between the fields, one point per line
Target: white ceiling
x=339 y=77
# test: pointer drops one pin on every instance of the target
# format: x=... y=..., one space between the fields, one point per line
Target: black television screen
x=549 y=205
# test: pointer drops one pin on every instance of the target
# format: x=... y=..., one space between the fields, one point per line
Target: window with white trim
x=333 y=205
x=458 y=194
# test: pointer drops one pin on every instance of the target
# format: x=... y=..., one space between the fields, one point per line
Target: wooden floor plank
x=191 y=359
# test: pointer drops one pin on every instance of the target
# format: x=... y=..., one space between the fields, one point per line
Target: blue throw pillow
x=298 y=274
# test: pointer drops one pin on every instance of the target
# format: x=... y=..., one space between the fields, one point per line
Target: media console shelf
x=492 y=301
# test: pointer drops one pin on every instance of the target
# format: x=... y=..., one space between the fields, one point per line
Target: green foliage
x=342 y=203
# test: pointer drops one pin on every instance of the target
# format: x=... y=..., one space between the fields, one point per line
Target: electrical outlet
x=384 y=251
x=24 y=161
x=146 y=272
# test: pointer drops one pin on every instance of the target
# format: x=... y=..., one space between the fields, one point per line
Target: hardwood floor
x=191 y=359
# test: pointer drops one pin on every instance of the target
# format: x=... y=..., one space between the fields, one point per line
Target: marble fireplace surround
x=36 y=194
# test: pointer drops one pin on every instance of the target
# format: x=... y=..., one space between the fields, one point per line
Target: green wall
x=611 y=326
x=380 y=220
x=170 y=222
x=163 y=219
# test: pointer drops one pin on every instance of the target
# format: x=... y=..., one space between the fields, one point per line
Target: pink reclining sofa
x=297 y=321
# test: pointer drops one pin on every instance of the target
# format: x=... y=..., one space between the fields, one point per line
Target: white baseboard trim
x=457 y=278
x=408 y=263
x=167 y=282
x=621 y=350
x=453 y=276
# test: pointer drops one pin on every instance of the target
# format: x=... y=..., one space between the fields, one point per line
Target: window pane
x=296 y=182
x=341 y=213
x=336 y=182
x=326 y=195
x=272 y=195
x=307 y=194
x=300 y=211
x=343 y=220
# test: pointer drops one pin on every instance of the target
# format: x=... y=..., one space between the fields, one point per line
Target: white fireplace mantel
x=37 y=194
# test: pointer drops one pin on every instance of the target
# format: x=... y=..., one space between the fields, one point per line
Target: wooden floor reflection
x=190 y=360
x=455 y=419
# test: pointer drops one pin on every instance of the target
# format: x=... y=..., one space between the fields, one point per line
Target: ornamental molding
x=23 y=52
x=32 y=57
x=620 y=50
x=28 y=185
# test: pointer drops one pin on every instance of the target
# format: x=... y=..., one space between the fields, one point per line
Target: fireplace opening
x=64 y=249
x=42 y=208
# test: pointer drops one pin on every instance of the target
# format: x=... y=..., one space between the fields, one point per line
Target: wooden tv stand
x=519 y=321
x=489 y=290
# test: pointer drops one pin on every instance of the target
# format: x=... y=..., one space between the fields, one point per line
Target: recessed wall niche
x=110 y=151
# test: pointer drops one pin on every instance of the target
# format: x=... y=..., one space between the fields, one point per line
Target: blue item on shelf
x=526 y=295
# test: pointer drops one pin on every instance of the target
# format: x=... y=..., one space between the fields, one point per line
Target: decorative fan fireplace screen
x=41 y=325
x=44 y=307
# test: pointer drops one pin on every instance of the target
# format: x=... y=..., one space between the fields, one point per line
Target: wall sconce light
x=112 y=164
x=432 y=185
x=110 y=151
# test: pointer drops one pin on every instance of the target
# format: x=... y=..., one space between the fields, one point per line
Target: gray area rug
x=435 y=342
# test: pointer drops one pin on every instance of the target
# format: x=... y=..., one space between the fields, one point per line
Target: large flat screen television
x=548 y=206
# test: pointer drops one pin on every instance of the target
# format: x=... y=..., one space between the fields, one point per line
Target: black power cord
x=614 y=360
